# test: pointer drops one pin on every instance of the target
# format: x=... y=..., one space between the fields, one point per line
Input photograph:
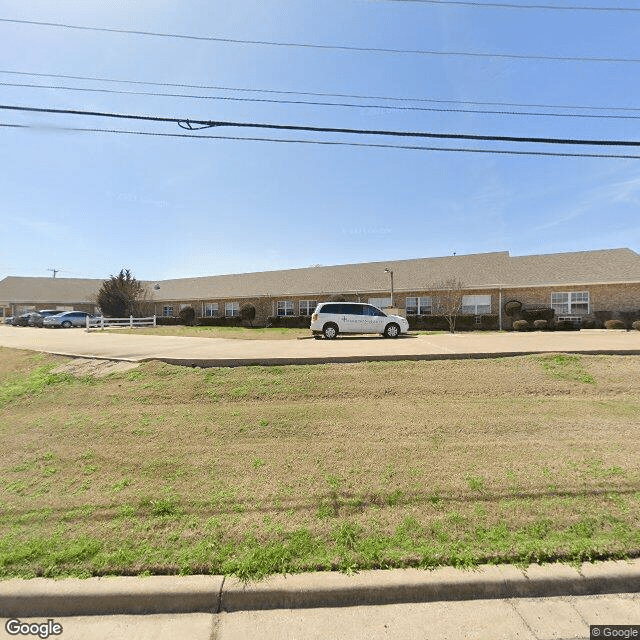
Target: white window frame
x=473 y=305
x=574 y=319
x=423 y=305
x=285 y=308
x=573 y=299
x=167 y=310
x=231 y=309
x=211 y=309
x=306 y=307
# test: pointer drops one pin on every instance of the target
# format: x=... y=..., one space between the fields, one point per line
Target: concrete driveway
x=226 y=352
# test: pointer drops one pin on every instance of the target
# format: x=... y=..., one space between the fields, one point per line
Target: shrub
x=521 y=325
x=289 y=322
x=540 y=325
x=636 y=325
x=248 y=313
x=428 y=323
x=219 y=321
x=567 y=325
x=588 y=323
x=628 y=317
x=164 y=321
x=614 y=324
x=533 y=313
x=187 y=315
x=512 y=307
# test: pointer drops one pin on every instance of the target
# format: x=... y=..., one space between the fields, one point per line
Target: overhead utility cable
x=336 y=143
x=507 y=5
x=320 y=94
x=188 y=123
x=326 y=47
x=321 y=104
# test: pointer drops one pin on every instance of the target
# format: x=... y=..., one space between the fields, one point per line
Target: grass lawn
x=244 y=333
x=255 y=470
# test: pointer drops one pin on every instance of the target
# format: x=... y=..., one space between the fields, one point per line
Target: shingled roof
x=476 y=271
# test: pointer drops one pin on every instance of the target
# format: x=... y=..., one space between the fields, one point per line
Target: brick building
x=578 y=285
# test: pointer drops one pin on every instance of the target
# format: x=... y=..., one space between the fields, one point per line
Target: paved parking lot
x=223 y=352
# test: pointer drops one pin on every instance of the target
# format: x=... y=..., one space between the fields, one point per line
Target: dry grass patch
x=259 y=469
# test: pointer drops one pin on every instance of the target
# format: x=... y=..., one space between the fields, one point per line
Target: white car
x=331 y=318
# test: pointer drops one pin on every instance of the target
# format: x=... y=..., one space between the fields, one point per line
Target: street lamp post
x=390 y=272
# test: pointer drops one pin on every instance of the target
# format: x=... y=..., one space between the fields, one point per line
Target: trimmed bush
x=512 y=308
x=248 y=313
x=167 y=321
x=614 y=324
x=533 y=313
x=588 y=324
x=289 y=322
x=521 y=325
x=567 y=325
x=540 y=325
x=215 y=321
x=187 y=316
x=628 y=317
x=636 y=325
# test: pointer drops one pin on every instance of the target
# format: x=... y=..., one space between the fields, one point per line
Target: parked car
x=67 y=319
x=331 y=318
x=36 y=320
x=23 y=320
x=8 y=320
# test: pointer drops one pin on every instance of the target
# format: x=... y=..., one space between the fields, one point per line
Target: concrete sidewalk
x=542 y=603
x=235 y=352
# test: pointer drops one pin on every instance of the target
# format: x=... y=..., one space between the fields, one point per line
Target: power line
x=338 y=143
x=326 y=47
x=320 y=94
x=187 y=123
x=506 y=5
x=319 y=103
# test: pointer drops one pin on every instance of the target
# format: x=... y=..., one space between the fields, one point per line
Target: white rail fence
x=130 y=322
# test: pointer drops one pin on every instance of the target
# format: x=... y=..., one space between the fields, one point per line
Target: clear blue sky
x=90 y=204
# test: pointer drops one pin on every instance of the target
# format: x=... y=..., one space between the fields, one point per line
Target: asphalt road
x=233 y=352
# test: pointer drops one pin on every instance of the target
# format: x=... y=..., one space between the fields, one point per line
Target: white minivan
x=331 y=318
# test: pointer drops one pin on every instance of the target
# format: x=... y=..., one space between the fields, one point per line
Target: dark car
x=24 y=320
x=37 y=319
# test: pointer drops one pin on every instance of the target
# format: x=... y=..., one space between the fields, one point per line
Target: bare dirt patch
x=94 y=367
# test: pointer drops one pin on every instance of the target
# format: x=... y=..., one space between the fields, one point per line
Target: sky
x=90 y=203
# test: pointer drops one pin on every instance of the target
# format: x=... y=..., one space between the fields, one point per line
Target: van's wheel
x=66 y=324
x=330 y=331
x=392 y=330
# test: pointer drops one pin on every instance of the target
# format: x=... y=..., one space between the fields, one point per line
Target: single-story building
x=578 y=286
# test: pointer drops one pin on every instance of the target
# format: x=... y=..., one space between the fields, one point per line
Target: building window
x=307 y=307
x=167 y=310
x=570 y=302
x=476 y=305
x=418 y=306
x=284 y=308
x=211 y=309
x=231 y=309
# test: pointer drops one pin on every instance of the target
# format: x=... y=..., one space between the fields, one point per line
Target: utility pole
x=54 y=271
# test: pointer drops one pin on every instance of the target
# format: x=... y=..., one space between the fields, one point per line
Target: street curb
x=246 y=362
x=213 y=594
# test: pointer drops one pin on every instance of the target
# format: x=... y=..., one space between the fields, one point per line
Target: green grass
x=566 y=367
x=336 y=467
